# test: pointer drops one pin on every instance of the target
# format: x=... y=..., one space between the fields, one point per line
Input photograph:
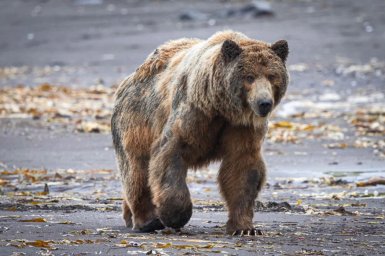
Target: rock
x=88 y=2
x=273 y=206
x=257 y=8
x=253 y=9
x=193 y=15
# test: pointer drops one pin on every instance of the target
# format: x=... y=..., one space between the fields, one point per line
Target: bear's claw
x=247 y=232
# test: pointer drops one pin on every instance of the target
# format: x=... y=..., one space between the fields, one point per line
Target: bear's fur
x=190 y=103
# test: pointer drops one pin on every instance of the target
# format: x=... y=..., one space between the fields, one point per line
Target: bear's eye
x=271 y=77
x=250 y=78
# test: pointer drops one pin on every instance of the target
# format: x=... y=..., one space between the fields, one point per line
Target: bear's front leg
x=241 y=177
x=168 y=184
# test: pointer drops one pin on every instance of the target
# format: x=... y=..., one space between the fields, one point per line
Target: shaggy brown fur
x=190 y=103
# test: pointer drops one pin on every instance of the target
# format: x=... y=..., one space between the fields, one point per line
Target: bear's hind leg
x=127 y=215
x=138 y=195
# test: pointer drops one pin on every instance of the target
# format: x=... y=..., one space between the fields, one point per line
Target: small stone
x=257 y=8
x=192 y=15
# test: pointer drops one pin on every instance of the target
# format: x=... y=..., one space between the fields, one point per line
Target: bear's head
x=254 y=78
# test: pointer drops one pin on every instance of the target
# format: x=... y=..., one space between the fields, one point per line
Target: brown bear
x=190 y=103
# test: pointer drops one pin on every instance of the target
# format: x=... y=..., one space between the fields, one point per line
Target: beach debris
x=371 y=182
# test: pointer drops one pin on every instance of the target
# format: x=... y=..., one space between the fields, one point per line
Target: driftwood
x=371 y=182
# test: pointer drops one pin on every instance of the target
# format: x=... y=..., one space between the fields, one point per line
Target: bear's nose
x=264 y=107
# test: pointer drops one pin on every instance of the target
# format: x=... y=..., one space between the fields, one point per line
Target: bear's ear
x=230 y=50
x=281 y=48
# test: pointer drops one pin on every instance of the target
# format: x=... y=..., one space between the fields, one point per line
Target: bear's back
x=158 y=60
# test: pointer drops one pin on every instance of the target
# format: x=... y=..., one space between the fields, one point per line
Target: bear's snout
x=260 y=97
x=264 y=107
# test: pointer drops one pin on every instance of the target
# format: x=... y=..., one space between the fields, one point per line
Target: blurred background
x=108 y=39
x=336 y=61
